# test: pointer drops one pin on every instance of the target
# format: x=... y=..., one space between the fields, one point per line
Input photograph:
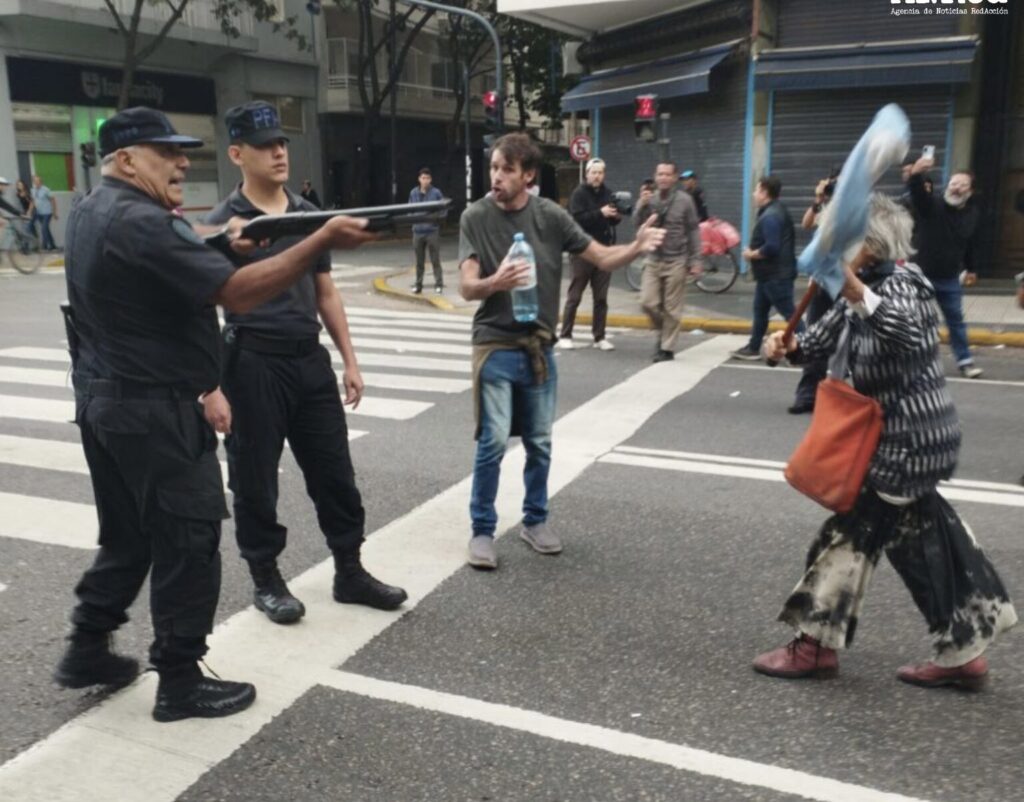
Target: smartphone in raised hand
x=928 y=152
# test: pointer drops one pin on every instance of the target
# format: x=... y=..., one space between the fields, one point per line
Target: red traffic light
x=646 y=107
x=490 y=99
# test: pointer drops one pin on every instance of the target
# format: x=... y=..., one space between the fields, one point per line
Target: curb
x=381 y=285
x=975 y=336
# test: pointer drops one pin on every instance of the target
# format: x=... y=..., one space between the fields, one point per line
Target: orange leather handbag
x=831 y=462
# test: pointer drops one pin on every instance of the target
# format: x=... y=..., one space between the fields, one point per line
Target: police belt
x=119 y=388
x=278 y=346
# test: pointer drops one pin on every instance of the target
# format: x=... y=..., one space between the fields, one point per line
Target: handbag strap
x=839 y=362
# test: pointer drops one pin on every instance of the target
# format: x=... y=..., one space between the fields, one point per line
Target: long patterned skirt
x=952 y=582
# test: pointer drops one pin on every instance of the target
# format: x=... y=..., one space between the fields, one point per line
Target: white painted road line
x=37 y=354
x=105 y=749
x=420 y=325
x=382 y=329
x=43 y=520
x=391 y=408
x=407 y=346
x=37 y=409
x=423 y=384
x=50 y=455
x=1004 y=495
x=950 y=379
x=369 y=311
x=638 y=747
x=424 y=363
x=354 y=270
x=38 y=376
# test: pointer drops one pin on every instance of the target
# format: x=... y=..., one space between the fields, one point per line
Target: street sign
x=580 y=148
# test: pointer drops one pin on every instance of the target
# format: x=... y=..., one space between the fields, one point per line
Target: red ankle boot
x=970 y=676
x=801 y=657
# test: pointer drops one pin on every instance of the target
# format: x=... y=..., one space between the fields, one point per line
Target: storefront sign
x=69 y=84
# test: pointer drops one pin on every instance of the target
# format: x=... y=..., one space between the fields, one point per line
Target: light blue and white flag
x=884 y=144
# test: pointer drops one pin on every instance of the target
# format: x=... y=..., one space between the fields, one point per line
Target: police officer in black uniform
x=145 y=346
x=280 y=384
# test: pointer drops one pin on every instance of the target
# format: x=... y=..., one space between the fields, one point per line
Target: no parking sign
x=580 y=148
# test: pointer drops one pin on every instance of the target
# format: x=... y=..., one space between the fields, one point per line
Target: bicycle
x=718 y=248
x=21 y=245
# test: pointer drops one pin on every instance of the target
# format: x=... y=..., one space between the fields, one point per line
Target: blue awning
x=910 y=63
x=669 y=77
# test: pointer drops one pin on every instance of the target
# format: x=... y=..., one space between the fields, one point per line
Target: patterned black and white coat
x=894 y=358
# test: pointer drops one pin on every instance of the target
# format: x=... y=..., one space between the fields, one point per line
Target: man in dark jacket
x=591 y=206
x=772 y=257
x=691 y=185
x=944 y=231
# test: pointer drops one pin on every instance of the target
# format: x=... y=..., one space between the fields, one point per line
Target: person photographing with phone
x=945 y=231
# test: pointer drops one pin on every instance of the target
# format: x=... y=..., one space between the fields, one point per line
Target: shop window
x=56 y=170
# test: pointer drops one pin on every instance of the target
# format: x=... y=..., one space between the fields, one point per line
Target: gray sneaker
x=481 y=552
x=541 y=540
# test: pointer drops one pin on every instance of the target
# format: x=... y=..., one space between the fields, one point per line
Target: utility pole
x=469 y=154
x=664 y=141
x=393 y=73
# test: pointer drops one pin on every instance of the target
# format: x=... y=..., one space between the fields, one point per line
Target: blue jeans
x=507 y=385
x=47 y=243
x=950 y=296
x=770 y=292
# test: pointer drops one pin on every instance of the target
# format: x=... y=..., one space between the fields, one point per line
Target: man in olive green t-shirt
x=513 y=366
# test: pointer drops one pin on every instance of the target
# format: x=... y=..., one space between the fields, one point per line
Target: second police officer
x=146 y=356
x=281 y=386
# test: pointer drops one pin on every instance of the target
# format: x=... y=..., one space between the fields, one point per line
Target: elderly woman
x=888 y=313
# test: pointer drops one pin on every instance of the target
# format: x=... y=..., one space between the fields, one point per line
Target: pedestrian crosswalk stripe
x=51 y=455
x=347 y=285
x=384 y=329
x=37 y=376
x=37 y=354
x=392 y=408
x=47 y=410
x=401 y=346
x=370 y=311
x=44 y=520
x=425 y=363
x=418 y=325
x=424 y=384
x=1004 y=495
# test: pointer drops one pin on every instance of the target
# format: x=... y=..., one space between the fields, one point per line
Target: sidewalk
x=990 y=308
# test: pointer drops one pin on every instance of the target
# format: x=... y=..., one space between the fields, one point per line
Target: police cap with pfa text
x=255 y=123
x=138 y=126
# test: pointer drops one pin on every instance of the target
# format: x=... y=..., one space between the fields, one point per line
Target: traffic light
x=88 y=151
x=645 y=117
x=492 y=110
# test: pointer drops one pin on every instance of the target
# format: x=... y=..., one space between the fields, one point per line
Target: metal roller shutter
x=812 y=23
x=812 y=131
x=707 y=137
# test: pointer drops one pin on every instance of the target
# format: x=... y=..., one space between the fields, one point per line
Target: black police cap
x=141 y=125
x=255 y=123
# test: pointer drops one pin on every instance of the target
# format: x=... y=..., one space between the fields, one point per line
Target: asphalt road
x=619 y=670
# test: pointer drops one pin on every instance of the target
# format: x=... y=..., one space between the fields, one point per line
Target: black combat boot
x=184 y=692
x=272 y=595
x=89 y=661
x=353 y=585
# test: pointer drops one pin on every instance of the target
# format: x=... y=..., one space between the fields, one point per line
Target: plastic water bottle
x=524 y=298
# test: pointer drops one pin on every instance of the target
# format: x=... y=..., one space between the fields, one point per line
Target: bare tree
x=138 y=46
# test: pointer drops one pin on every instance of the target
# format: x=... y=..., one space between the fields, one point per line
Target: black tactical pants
x=160 y=501
x=295 y=396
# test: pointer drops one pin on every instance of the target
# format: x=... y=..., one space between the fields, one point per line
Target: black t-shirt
x=293 y=313
x=486 y=232
x=141 y=282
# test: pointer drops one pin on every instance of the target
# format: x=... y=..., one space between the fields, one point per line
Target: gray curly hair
x=889 y=231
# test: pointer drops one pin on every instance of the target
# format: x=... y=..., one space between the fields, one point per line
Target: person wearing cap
x=426 y=236
x=592 y=208
x=692 y=187
x=146 y=362
x=281 y=386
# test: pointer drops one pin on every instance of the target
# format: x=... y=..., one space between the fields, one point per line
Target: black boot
x=353 y=585
x=185 y=693
x=272 y=595
x=89 y=661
